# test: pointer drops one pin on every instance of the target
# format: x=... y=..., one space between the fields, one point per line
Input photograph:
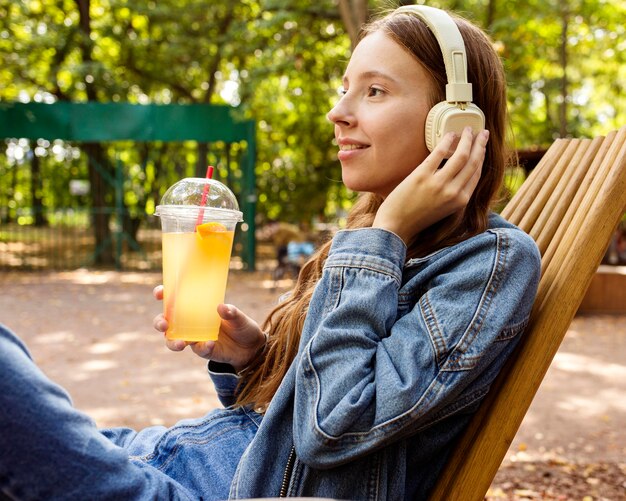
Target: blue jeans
x=51 y=451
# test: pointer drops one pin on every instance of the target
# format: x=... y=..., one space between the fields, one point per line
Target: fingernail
x=485 y=135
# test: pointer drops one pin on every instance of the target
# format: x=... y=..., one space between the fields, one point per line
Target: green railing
x=105 y=124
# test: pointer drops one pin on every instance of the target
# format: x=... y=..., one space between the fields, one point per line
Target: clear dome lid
x=188 y=193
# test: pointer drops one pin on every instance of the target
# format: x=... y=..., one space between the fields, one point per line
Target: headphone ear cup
x=445 y=117
x=430 y=128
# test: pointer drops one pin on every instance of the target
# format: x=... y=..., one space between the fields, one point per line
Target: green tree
x=281 y=63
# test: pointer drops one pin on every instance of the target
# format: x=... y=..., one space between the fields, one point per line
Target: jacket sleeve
x=225 y=380
x=377 y=366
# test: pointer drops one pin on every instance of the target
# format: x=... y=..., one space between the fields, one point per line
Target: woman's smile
x=350 y=149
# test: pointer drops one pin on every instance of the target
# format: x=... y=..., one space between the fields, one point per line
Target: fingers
x=160 y=323
x=175 y=344
x=467 y=160
x=238 y=329
x=226 y=311
x=460 y=157
x=460 y=175
x=157 y=292
x=474 y=162
x=203 y=349
x=444 y=149
x=233 y=315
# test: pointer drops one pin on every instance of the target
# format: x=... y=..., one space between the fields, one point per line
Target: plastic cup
x=197 y=244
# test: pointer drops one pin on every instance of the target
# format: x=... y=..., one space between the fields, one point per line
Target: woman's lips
x=349 y=150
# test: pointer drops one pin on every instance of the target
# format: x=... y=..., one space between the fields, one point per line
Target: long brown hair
x=284 y=324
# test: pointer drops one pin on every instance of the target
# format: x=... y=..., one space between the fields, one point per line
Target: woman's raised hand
x=240 y=337
x=429 y=193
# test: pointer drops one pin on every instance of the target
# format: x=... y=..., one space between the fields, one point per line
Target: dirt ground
x=92 y=333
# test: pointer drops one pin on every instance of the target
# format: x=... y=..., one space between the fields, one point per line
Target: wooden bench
x=570 y=204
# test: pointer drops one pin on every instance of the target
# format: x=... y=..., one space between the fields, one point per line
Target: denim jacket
x=394 y=358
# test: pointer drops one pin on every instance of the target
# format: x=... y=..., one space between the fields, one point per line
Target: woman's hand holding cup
x=239 y=340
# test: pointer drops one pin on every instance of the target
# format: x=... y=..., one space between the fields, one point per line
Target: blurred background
x=66 y=203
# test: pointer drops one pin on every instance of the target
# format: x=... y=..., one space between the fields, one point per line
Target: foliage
x=587 y=77
x=280 y=62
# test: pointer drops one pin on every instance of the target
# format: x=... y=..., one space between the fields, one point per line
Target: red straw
x=205 y=192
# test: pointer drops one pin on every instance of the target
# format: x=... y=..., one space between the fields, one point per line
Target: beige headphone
x=457 y=111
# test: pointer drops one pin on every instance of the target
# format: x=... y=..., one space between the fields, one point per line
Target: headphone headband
x=458 y=90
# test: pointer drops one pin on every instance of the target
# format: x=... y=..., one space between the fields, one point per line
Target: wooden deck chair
x=570 y=204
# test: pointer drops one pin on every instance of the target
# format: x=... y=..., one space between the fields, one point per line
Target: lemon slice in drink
x=206 y=229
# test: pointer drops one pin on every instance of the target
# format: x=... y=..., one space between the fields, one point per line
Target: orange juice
x=195 y=270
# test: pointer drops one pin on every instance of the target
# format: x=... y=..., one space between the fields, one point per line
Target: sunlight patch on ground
x=98 y=365
x=132 y=408
x=576 y=363
x=54 y=338
x=615 y=398
x=120 y=297
x=284 y=283
x=598 y=404
x=103 y=348
x=189 y=407
x=85 y=277
x=102 y=414
x=143 y=278
x=129 y=336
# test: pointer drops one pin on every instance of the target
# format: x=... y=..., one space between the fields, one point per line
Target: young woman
x=358 y=383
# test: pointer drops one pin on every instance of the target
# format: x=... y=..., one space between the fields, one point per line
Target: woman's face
x=379 y=120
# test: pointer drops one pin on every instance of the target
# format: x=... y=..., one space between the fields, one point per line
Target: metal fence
x=125 y=155
x=66 y=241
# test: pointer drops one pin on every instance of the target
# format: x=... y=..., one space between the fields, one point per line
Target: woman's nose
x=340 y=113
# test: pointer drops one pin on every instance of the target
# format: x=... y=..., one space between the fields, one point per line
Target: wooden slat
x=536 y=183
x=581 y=245
x=566 y=221
x=527 y=192
x=563 y=197
x=527 y=223
x=595 y=199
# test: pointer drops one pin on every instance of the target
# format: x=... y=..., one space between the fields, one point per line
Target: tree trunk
x=100 y=212
x=203 y=147
x=158 y=174
x=354 y=13
x=550 y=122
x=201 y=162
x=36 y=191
x=563 y=62
x=132 y=221
x=95 y=153
x=491 y=14
x=12 y=193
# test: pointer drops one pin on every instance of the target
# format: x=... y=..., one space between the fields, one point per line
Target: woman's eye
x=374 y=92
